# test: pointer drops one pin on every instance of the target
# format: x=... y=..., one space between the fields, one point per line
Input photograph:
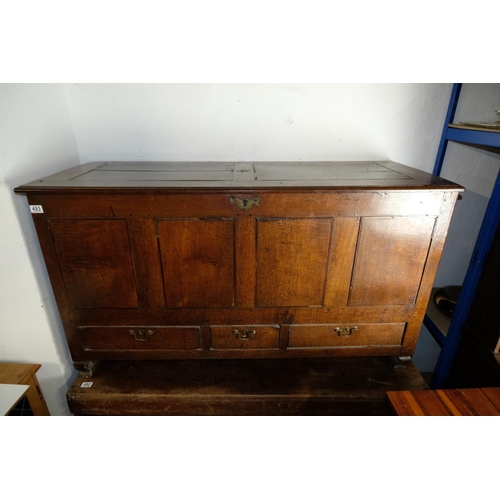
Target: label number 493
x=36 y=209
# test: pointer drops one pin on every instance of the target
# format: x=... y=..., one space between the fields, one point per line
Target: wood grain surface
x=447 y=402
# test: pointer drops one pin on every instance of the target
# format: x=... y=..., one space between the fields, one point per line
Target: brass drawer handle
x=140 y=335
x=346 y=331
x=244 y=334
x=244 y=204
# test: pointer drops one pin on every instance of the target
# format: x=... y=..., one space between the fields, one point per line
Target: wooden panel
x=343 y=247
x=216 y=203
x=367 y=171
x=59 y=288
x=282 y=174
x=292 y=256
x=435 y=250
x=390 y=259
x=259 y=337
x=326 y=336
x=161 y=166
x=198 y=262
x=95 y=261
x=144 y=247
x=160 y=338
x=151 y=176
x=245 y=263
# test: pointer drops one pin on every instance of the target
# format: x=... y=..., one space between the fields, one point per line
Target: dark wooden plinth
x=340 y=386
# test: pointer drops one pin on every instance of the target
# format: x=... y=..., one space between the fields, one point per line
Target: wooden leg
x=86 y=369
x=400 y=362
x=35 y=398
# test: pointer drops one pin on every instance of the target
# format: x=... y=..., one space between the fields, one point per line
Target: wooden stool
x=25 y=374
x=455 y=402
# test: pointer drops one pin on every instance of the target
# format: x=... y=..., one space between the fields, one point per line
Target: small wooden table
x=447 y=402
x=25 y=374
x=10 y=395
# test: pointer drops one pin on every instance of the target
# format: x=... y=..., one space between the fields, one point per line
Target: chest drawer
x=141 y=338
x=245 y=337
x=354 y=335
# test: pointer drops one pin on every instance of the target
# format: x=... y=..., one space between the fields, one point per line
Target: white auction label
x=36 y=209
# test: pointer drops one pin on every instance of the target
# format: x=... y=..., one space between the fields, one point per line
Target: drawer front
x=182 y=338
x=354 y=335
x=245 y=337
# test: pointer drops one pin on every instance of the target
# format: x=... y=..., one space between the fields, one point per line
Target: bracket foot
x=400 y=362
x=86 y=369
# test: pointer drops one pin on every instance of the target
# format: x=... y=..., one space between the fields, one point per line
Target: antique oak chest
x=155 y=260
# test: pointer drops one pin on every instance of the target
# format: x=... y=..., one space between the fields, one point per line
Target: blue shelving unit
x=480 y=138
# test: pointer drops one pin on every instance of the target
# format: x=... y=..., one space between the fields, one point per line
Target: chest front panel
x=332 y=259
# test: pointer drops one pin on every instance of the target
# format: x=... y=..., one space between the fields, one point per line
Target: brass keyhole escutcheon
x=244 y=334
x=140 y=335
x=245 y=204
x=346 y=331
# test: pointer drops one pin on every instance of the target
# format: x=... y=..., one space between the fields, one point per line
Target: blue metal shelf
x=475 y=138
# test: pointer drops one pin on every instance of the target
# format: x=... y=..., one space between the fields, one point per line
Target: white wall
x=246 y=122
x=36 y=138
x=46 y=128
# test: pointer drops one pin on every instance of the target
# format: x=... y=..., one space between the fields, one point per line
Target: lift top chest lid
x=233 y=175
